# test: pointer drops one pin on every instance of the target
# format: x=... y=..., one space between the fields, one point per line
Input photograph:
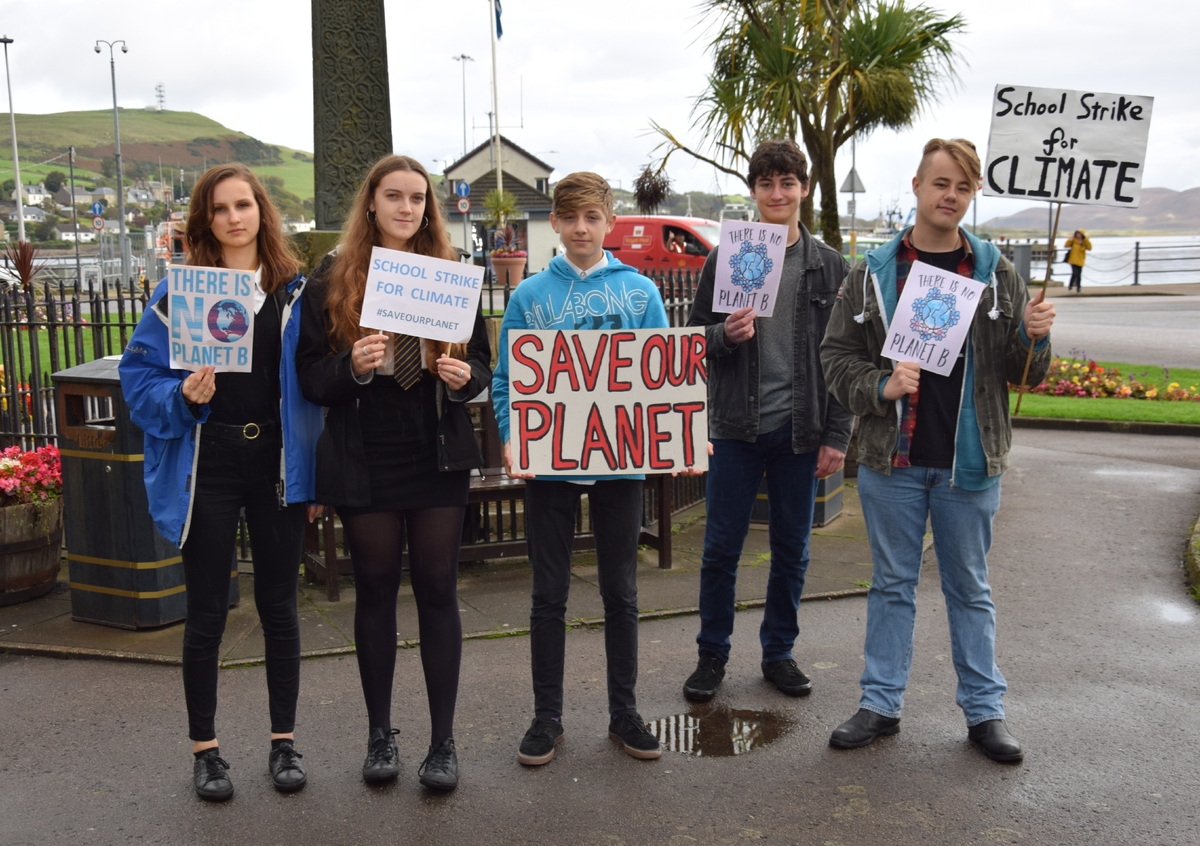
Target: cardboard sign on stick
x=600 y=402
x=932 y=318
x=1066 y=146
x=749 y=266
x=421 y=296
x=211 y=318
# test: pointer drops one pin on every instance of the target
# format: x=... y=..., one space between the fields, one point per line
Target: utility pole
x=462 y=59
x=75 y=222
x=12 y=123
x=123 y=236
x=495 y=99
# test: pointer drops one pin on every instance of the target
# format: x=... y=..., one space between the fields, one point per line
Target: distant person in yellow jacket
x=1078 y=244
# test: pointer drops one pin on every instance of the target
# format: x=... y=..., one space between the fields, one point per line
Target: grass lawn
x=21 y=350
x=1185 y=376
x=1135 y=410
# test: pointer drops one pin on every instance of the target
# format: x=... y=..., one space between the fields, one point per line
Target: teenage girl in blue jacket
x=218 y=443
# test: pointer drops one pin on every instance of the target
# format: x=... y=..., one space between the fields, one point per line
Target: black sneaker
x=786 y=676
x=538 y=744
x=383 y=758
x=630 y=729
x=439 y=770
x=211 y=776
x=702 y=684
x=287 y=773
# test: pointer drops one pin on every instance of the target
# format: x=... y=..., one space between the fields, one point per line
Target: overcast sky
x=587 y=88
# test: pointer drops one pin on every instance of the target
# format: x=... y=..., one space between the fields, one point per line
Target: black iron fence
x=50 y=327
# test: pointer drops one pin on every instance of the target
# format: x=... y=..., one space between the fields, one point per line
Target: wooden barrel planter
x=30 y=549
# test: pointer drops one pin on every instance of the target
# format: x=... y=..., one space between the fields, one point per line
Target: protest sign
x=1067 y=146
x=598 y=402
x=211 y=318
x=749 y=266
x=931 y=320
x=422 y=296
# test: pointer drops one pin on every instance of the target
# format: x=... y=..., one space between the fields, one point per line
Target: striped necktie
x=406 y=361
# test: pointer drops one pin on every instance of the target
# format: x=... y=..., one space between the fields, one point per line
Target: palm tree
x=818 y=71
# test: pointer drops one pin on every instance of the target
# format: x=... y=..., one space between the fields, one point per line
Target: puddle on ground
x=719 y=732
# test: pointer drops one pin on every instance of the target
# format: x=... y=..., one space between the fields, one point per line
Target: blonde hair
x=960 y=149
x=576 y=190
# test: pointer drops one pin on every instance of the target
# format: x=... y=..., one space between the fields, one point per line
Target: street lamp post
x=122 y=237
x=462 y=59
x=12 y=122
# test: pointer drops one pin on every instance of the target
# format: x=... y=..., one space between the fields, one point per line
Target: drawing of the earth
x=934 y=315
x=750 y=267
x=228 y=321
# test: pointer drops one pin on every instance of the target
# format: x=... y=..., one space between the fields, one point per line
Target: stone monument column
x=352 y=114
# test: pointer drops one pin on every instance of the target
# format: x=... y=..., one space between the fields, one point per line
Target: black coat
x=326 y=378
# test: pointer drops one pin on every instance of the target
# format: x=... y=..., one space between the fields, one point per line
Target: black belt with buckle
x=238 y=433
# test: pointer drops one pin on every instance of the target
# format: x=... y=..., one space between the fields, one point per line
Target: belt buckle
x=246 y=431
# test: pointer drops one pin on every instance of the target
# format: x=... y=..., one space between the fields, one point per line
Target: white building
x=66 y=233
x=33 y=195
x=526 y=176
x=32 y=214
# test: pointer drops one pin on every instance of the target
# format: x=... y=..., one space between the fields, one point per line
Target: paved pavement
x=1097 y=637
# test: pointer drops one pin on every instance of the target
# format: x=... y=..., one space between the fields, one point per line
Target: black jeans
x=230 y=476
x=616 y=509
x=1076 y=277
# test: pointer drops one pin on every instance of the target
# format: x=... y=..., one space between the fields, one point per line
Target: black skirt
x=399 y=431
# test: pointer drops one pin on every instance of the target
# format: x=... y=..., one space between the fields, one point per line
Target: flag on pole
x=499 y=28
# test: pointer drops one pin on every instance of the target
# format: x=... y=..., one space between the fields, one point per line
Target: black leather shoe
x=383 y=759
x=786 y=676
x=994 y=739
x=440 y=768
x=702 y=684
x=211 y=776
x=862 y=729
x=287 y=773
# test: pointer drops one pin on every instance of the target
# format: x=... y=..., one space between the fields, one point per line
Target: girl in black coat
x=395 y=456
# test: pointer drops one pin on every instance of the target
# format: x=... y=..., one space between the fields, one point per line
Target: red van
x=660 y=243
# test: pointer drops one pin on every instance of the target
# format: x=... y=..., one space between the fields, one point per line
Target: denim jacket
x=733 y=375
x=855 y=368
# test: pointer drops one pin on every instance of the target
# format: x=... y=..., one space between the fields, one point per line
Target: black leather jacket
x=817 y=418
x=326 y=378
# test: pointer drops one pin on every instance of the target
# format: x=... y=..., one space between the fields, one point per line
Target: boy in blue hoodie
x=587 y=288
x=932 y=447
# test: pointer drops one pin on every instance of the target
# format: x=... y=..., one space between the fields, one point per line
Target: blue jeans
x=734 y=473
x=895 y=508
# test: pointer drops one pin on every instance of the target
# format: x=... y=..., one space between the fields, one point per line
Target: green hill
x=148 y=138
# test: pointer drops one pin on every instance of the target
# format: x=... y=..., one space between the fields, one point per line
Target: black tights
x=376 y=543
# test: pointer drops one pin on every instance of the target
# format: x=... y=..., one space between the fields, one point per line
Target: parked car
x=661 y=243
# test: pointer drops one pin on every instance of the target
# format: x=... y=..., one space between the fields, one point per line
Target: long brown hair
x=275 y=254
x=348 y=277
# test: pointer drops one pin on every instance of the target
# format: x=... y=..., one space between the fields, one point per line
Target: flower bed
x=1079 y=377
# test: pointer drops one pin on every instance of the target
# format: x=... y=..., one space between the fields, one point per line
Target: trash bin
x=827 y=506
x=1023 y=259
x=122 y=571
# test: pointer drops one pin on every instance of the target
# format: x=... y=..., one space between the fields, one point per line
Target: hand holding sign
x=749 y=266
x=932 y=318
x=905 y=379
x=199 y=387
x=1039 y=317
x=739 y=326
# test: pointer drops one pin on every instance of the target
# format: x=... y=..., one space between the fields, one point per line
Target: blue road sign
x=97 y=208
x=462 y=188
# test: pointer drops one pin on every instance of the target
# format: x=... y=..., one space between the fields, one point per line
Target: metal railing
x=50 y=327
x=1139 y=264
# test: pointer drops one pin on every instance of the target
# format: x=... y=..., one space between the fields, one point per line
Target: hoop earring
x=425 y=218
x=371 y=217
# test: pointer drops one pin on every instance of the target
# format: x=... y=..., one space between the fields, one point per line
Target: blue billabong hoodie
x=614 y=297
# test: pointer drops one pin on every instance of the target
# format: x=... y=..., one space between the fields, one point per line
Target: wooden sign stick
x=1041 y=296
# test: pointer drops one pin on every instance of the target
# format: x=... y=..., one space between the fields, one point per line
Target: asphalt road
x=1140 y=330
x=1097 y=637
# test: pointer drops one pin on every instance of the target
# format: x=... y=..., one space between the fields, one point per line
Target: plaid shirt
x=905 y=256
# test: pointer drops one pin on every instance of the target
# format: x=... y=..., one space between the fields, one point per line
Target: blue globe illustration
x=752 y=266
x=228 y=321
x=937 y=314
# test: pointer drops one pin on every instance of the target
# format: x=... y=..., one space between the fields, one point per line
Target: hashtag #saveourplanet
x=228 y=321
